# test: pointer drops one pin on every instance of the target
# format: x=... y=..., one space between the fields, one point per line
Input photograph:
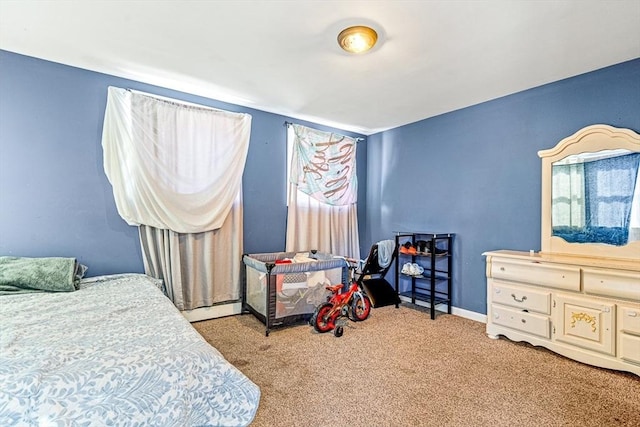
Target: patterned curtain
x=324 y=166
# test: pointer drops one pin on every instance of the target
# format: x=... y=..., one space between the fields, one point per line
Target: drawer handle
x=501 y=268
x=524 y=297
x=632 y=314
x=523 y=320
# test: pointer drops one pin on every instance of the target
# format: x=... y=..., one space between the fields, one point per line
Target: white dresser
x=585 y=308
x=579 y=296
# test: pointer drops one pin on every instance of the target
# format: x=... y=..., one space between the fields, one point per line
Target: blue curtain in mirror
x=609 y=186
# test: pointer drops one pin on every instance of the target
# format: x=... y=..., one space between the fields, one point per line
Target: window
x=321 y=192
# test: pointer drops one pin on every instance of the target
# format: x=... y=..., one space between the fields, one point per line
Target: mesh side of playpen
x=300 y=293
x=256 y=290
x=296 y=289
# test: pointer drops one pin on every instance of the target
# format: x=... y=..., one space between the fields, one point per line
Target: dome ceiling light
x=358 y=39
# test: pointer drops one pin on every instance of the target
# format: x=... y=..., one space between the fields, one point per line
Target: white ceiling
x=282 y=56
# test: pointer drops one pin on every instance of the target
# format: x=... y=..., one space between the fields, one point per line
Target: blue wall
x=475 y=172
x=55 y=199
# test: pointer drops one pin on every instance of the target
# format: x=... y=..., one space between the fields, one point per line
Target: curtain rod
x=357 y=139
x=174 y=100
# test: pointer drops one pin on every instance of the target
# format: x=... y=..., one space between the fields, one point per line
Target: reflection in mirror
x=596 y=197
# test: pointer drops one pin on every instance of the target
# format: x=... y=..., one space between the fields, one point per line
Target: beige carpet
x=399 y=368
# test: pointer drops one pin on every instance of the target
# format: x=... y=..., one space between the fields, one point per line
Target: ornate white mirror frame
x=589 y=139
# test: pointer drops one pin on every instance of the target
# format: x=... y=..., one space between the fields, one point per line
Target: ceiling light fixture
x=358 y=39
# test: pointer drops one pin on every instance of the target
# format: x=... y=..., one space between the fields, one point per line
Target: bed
x=282 y=288
x=114 y=352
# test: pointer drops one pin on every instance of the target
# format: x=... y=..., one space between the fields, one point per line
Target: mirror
x=591 y=194
x=595 y=197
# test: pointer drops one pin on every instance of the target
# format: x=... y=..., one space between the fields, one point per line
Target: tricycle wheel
x=319 y=321
x=338 y=331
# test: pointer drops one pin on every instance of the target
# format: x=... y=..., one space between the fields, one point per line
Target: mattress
x=114 y=352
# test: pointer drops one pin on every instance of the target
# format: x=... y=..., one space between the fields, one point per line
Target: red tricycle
x=352 y=303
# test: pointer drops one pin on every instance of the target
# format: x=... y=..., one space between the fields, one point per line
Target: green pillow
x=19 y=274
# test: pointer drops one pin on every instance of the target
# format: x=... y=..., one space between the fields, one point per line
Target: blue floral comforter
x=116 y=352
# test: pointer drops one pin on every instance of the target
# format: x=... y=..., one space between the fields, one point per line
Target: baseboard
x=206 y=313
x=461 y=312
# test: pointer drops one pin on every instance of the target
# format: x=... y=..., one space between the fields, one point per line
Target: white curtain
x=176 y=171
x=322 y=193
x=173 y=166
x=568 y=203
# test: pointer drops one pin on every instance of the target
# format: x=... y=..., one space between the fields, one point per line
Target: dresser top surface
x=584 y=261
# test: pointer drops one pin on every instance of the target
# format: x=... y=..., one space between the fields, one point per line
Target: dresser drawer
x=555 y=276
x=519 y=320
x=585 y=322
x=630 y=348
x=522 y=297
x=629 y=320
x=616 y=284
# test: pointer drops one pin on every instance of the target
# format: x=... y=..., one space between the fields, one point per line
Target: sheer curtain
x=176 y=171
x=568 y=204
x=322 y=194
